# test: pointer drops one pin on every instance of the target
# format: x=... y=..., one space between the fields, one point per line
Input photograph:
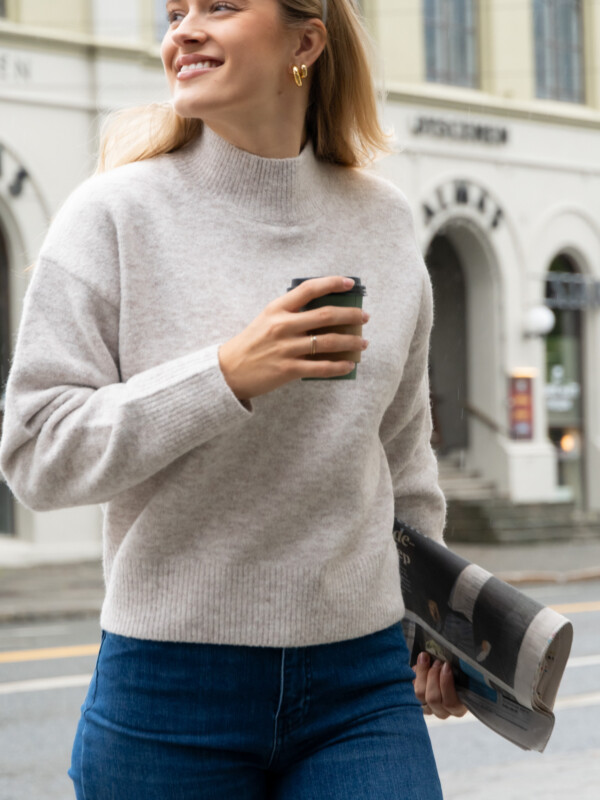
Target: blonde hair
x=341 y=119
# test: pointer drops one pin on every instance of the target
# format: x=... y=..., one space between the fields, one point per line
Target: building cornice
x=473 y=101
x=34 y=38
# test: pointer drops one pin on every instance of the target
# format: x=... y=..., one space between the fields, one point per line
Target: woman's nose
x=190 y=29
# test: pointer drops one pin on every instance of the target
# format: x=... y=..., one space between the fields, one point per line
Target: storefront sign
x=459 y=130
x=457 y=194
x=568 y=291
x=520 y=405
x=562 y=396
x=12 y=176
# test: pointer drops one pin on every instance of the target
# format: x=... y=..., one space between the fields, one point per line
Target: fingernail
x=446 y=668
x=365 y=344
x=423 y=659
x=365 y=316
x=348 y=282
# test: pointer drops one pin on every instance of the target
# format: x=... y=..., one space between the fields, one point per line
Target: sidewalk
x=54 y=590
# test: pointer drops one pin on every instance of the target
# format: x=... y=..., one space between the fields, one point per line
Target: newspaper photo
x=507 y=651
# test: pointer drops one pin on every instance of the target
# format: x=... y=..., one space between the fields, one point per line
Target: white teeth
x=199 y=65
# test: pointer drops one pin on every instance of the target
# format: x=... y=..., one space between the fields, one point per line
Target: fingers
x=450 y=700
x=421 y=669
x=433 y=692
x=435 y=688
x=307 y=368
x=327 y=317
x=328 y=344
x=274 y=348
x=310 y=289
x=339 y=328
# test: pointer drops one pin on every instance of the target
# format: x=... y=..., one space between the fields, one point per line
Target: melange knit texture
x=269 y=524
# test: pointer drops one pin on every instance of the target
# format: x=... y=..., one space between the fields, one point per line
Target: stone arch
x=483 y=329
x=24 y=217
x=570 y=230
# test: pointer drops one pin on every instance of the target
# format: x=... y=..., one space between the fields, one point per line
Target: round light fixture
x=539 y=321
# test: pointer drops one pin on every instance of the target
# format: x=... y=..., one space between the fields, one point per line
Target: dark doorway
x=448 y=355
x=564 y=375
x=6 y=501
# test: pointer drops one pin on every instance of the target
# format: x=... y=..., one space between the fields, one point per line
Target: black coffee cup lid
x=358 y=287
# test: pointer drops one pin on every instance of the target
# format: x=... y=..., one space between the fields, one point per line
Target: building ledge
x=15 y=33
x=475 y=101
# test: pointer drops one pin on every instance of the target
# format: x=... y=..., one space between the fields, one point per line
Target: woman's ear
x=311 y=43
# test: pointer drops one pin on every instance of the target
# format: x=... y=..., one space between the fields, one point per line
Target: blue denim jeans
x=173 y=721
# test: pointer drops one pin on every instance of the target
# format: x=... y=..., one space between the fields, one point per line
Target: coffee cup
x=351 y=298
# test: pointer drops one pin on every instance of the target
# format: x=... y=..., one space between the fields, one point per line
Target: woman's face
x=227 y=60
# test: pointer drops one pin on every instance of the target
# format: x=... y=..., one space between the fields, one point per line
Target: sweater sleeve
x=405 y=433
x=73 y=432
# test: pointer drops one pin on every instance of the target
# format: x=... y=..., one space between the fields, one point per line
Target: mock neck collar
x=275 y=190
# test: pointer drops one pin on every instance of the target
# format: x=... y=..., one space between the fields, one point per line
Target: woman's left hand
x=435 y=689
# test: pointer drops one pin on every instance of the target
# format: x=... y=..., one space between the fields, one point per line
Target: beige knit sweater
x=269 y=525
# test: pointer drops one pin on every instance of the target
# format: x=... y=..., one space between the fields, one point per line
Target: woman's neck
x=284 y=141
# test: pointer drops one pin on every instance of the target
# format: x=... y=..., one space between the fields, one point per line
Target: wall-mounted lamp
x=539 y=321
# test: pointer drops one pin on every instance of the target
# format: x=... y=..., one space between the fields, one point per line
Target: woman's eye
x=175 y=16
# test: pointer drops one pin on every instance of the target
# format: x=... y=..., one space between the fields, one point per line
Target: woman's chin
x=184 y=108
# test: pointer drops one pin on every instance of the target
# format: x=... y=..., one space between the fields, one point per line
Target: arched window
x=6 y=505
x=558 y=32
x=451 y=42
x=565 y=294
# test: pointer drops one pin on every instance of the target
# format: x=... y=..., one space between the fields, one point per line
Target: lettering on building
x=459 y=130
x=14 y=69
x=462 y=193
x=12 y=176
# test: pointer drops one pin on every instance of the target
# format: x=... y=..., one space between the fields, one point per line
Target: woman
x=251 y=642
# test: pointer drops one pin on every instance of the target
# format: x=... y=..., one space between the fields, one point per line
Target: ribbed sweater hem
x=257 y=604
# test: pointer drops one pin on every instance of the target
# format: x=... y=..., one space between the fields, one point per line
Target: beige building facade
x=495 y=109
x=495 y=120
x=63 y=65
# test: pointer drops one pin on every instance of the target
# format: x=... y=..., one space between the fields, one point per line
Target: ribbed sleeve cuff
x=185 y=401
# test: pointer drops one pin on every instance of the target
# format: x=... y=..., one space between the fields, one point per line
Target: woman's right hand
x=272 y=350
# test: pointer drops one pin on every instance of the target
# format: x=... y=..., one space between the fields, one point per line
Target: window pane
x=429 y=9
x=458 y=15
x=462 y=44
x=558 y=49
x=160 y=19
x=430 y=53
x=450 y=41
x=432 y=39
x=539 y=33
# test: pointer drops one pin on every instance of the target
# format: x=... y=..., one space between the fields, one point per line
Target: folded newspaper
x=507 y=651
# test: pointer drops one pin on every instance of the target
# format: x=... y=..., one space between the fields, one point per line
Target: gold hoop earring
x=299 y=74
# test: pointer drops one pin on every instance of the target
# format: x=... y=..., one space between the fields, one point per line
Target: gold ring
x=313 y=345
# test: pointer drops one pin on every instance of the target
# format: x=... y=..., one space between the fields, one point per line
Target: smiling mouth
x=199 y=66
